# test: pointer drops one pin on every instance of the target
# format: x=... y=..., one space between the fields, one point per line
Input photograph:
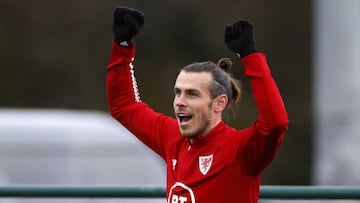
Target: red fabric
x=223 y=166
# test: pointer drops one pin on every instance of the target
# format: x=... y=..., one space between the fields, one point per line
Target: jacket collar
x=203 y=139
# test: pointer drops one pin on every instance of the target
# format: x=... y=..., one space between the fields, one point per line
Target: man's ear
x=220 y=103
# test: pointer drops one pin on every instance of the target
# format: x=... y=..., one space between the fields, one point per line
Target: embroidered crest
x=205 y=163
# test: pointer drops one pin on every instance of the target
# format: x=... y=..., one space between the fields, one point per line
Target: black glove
x=239 y=37
x=126 y=24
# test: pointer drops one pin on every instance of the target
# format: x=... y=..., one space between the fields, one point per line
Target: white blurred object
x=68 y=147
x=336 y=93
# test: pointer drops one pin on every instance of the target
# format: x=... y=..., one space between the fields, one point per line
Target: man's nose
x=180 y=101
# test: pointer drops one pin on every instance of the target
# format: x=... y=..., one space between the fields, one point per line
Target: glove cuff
x=248 y=49
x=126 y=43
x=122 y=42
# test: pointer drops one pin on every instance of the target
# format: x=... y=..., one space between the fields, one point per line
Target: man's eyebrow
x=186 y=90
x=192 y=90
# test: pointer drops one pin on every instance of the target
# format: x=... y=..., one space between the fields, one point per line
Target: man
x=207 y=161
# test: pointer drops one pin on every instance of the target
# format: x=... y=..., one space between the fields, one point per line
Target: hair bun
x=225 y=64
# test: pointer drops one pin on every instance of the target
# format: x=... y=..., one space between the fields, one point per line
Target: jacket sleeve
x=266 y=134
x=125 y=103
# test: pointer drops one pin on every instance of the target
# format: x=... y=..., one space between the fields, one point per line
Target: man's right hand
x=127 y=23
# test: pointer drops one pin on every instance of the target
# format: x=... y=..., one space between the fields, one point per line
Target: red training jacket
x=223 y=166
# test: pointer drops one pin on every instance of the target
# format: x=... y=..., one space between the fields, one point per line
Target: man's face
x=193 y=104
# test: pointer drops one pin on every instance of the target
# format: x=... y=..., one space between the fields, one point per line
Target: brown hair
x=223 y=82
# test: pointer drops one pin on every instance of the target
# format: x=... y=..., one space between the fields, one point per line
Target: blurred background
x=54 y=55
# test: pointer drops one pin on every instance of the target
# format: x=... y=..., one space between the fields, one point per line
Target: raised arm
x=266 y=134
x=122 y=92
x=121 y=84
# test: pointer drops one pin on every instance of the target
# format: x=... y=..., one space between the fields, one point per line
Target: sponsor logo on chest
x=180 y=193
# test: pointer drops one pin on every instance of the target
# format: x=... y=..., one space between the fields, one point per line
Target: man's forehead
x=193 y=80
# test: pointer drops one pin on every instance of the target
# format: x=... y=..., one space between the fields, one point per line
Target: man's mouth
x=184 y=119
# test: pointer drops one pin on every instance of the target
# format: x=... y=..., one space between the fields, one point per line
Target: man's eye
x=177 y=92
x=193 y=94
